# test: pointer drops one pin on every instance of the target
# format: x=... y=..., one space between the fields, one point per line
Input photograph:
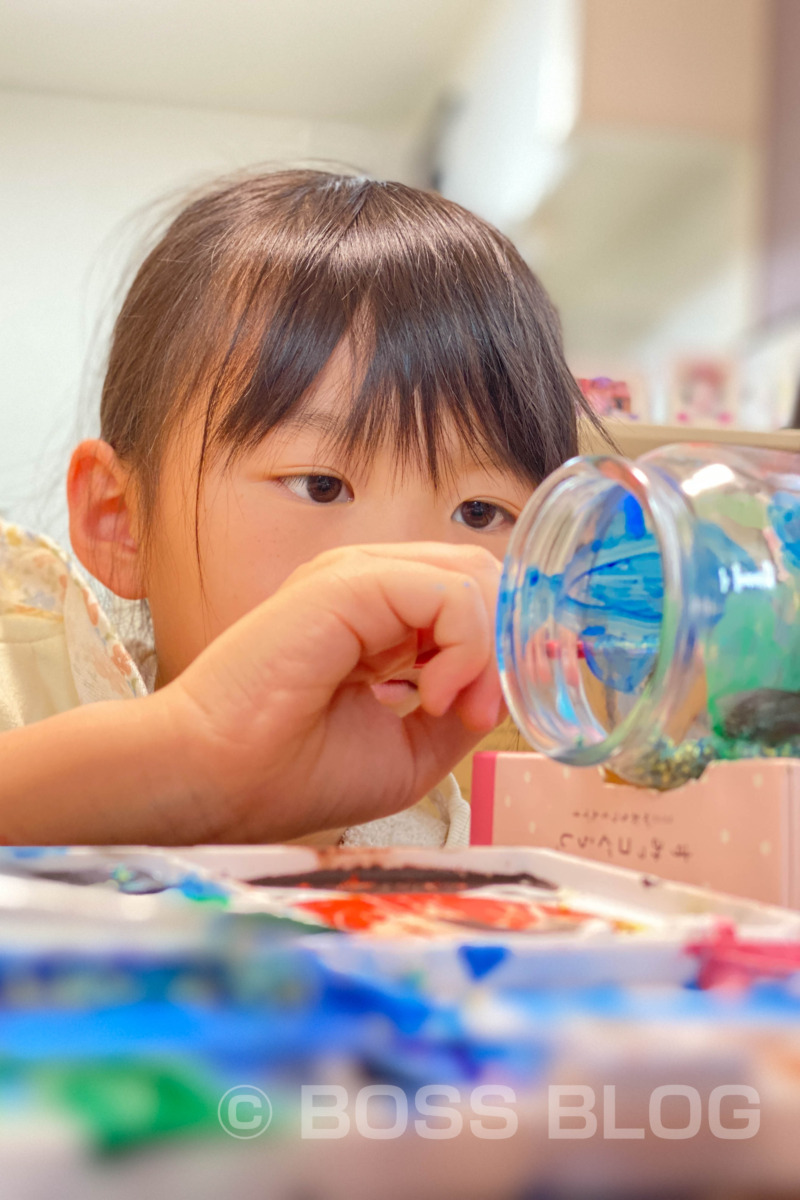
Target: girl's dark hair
x=237 y=310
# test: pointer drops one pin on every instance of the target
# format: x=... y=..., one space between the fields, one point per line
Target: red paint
x=422 y=914
x=552 y=649
x=361 y=913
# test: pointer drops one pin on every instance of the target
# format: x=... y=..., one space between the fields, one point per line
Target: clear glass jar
x=649 y=613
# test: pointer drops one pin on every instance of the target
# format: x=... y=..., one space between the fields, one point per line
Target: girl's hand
x=276 y=716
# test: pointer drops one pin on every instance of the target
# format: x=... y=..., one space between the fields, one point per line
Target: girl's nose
x=394 y=525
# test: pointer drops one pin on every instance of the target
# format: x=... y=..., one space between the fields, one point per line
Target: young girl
x=327 y=400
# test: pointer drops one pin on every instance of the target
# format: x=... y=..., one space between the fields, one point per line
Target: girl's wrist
x=165 y=795
x=205 y=788
x=192 y=801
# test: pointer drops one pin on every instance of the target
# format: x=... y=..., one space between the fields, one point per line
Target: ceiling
x=373 y=61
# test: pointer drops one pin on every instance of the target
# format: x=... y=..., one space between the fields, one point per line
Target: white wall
x=518 y=94
x=617 y=143
x=73 y=175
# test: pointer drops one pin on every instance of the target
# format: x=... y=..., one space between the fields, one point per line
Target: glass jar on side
x=649 y=612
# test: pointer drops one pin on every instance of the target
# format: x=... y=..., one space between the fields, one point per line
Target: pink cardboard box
x=736 y=829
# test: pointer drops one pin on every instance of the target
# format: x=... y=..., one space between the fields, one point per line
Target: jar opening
x=587 y=631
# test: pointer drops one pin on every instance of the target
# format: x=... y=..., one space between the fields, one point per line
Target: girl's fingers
x=383 y=601
x=436 y=744
x=473 y=561
x=480 y=705
x=275 y=674
x=463 y=633
x=449 y=603
x=272 y=701
x=462 y=670
x=378 y=667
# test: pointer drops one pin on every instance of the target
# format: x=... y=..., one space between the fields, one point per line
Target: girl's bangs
x=416 y=384
x=453 y=344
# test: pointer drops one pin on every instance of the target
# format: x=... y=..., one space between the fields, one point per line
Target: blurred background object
x=642 y=154
x=608 y=397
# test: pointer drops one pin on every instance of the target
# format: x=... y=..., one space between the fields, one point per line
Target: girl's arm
x=111 y=772
x=273 y=733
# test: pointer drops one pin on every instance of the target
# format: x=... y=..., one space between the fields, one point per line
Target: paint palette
x=539 y=917
x=140 y=988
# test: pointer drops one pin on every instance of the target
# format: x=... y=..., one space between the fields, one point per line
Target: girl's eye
x=319 y=489
x=480 y=514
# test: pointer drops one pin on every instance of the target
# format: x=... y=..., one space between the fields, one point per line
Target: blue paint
x=619 y=579
x=635 y=527
x=196 y=888
x=29 y=852
x=611 y=594
x=481 y=960
x=783 y=513
x=621 y=668
x=564 y=706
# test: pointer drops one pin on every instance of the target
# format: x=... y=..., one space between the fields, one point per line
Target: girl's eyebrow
x=328 y=423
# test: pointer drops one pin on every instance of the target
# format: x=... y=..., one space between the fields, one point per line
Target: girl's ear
x=103 y=519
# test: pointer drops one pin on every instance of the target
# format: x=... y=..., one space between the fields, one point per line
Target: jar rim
x=669 y=517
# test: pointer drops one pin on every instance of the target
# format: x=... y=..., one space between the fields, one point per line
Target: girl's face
x=279 y=505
